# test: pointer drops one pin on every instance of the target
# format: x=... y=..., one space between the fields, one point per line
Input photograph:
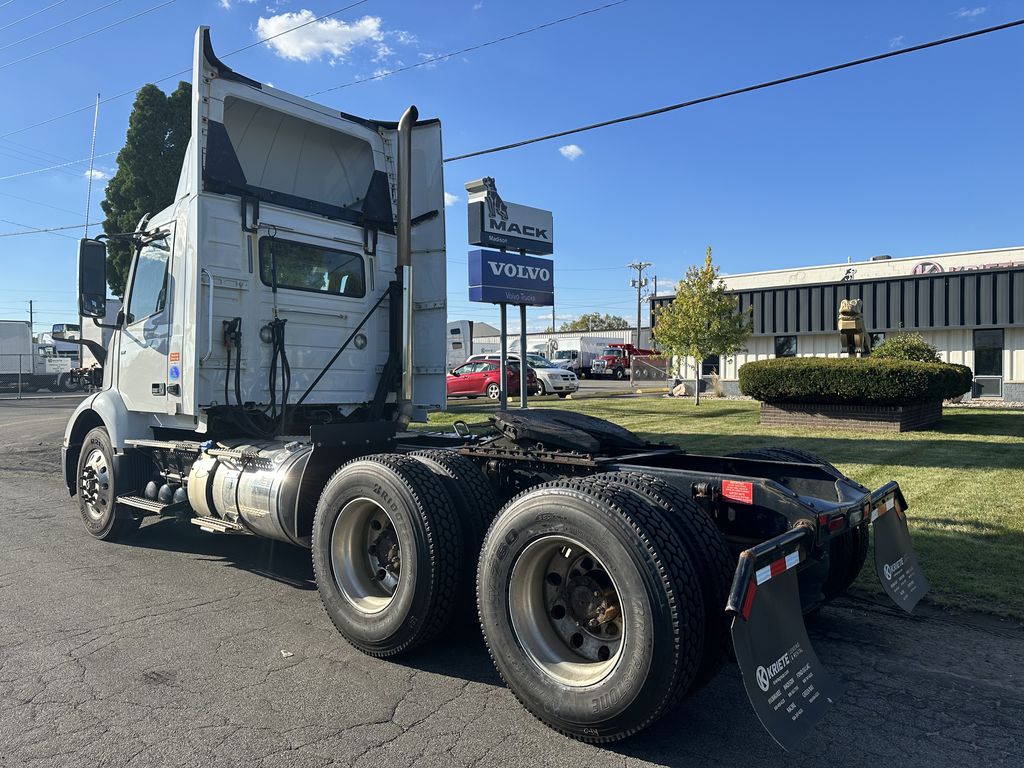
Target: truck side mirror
x=92 y=278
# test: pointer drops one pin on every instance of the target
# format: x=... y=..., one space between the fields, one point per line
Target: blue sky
x=919 y=154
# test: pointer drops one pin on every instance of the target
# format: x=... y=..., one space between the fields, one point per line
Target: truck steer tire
x=620 y=374
x=387 y=547
x=710 y=554
x=590 y=607
x=99 y=486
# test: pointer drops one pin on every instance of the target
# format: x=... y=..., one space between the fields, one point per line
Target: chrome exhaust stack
x=404 y=232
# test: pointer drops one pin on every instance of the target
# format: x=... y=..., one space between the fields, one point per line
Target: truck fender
x=104 y=409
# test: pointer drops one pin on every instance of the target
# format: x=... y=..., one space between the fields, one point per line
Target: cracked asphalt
x=180 y=648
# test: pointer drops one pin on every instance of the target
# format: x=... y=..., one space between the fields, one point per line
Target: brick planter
x=858 y=418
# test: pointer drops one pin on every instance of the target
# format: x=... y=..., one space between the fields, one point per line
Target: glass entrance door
x=988 y=363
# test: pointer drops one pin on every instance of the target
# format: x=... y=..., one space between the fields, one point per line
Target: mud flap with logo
x=786 y=683
x=895 y=561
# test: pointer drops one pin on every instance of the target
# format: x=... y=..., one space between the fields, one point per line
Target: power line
x=58 y=26
x=131 y=91
x=34 y=13
x=737 y=91
x=47 y=229
x=54 y=167
x=471 y=48
x=87 y=34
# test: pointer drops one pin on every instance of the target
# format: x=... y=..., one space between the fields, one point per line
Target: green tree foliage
x=703 y=320
x=906 y=346
x=595 y=321
x=148 y=167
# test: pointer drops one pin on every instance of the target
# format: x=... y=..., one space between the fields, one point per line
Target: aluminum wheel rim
x=94 y=484
x=366 y=555
x=493 y=391
x=558 y=591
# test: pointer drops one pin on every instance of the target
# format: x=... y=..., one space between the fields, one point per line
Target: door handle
x=157 y=389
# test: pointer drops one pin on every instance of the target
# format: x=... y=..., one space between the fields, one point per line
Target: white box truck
x=284 y=326
x=27 y=365
x=578 y=354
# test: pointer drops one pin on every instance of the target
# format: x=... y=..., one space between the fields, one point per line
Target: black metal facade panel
x=965 y=299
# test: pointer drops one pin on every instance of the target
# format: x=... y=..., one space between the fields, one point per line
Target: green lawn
x=964 y=481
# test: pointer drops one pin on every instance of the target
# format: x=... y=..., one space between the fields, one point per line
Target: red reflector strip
x=748 y=601
x=777 y=566
x=836 y=524
x=736 y=490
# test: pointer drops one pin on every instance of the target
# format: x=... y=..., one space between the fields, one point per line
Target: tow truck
x=282 y=332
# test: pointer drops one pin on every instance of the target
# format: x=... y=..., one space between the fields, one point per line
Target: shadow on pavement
x=275 y=560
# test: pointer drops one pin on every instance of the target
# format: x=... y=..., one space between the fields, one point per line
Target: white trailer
x=29 y=366
x=284 y=324
x=578 y=354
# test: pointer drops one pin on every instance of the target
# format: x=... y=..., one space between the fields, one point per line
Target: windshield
x=612 y=351
x=563 y=354
x=539 y=361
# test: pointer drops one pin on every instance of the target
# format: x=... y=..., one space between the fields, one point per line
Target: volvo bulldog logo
x=495 y=205
x=762 y=679
x=926 y=268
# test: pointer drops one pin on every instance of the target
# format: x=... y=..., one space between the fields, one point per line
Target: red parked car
x=480 y=378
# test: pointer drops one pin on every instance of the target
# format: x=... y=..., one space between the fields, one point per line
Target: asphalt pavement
x=181 y=648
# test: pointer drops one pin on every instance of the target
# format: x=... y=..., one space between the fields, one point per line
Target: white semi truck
x=29 y=366
x=284 y=326
x=578 y=354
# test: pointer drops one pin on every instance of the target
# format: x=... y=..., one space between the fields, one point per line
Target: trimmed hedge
x=852 y=380
x=906 y=346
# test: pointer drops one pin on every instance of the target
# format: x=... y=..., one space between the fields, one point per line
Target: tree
x=595 y=321
x=703 y=319
x=148 y=167
x=907 y=346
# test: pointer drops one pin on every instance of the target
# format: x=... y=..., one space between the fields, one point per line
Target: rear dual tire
x=591 y=608
x=387 y=546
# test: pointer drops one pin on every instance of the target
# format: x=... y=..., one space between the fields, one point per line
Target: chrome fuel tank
x=252 y=483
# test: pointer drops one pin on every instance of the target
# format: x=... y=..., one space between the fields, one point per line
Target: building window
x=709 y=366
x=876 y=339
x=307 y=267
x=988 y=352
x=785 y=346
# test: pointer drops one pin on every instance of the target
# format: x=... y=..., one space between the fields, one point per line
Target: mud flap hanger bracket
x=787 y=685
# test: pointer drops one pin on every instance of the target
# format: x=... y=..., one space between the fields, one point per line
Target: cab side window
x=148 y=294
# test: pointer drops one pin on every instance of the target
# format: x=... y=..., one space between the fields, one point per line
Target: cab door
x=145 y=332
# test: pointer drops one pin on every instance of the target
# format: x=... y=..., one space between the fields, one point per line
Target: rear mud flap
x=895 y=561
x=785 y=681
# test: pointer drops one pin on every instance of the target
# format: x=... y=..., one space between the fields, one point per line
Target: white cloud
x=896 y=42
x=96 y=174
x=477 y=6
x=970 y=13
x=328 y=37
x=571 y=151
x=450 y=199
x=226 y=4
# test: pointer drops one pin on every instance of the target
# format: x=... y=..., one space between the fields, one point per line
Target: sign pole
x=503 y=363
x=523 y=365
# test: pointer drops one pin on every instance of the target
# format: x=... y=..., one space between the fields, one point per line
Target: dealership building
x=969 y=306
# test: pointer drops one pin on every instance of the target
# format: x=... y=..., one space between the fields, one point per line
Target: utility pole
x=92 y=161
x=639 y=282
x=31 y=320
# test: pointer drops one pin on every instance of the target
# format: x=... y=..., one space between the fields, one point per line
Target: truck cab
x=615 y=359
x=279 y=244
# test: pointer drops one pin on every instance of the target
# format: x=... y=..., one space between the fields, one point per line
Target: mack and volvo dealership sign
x=498 y=224
x=509 y=276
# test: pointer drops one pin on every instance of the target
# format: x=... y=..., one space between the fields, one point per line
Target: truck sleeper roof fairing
x=319 y=169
